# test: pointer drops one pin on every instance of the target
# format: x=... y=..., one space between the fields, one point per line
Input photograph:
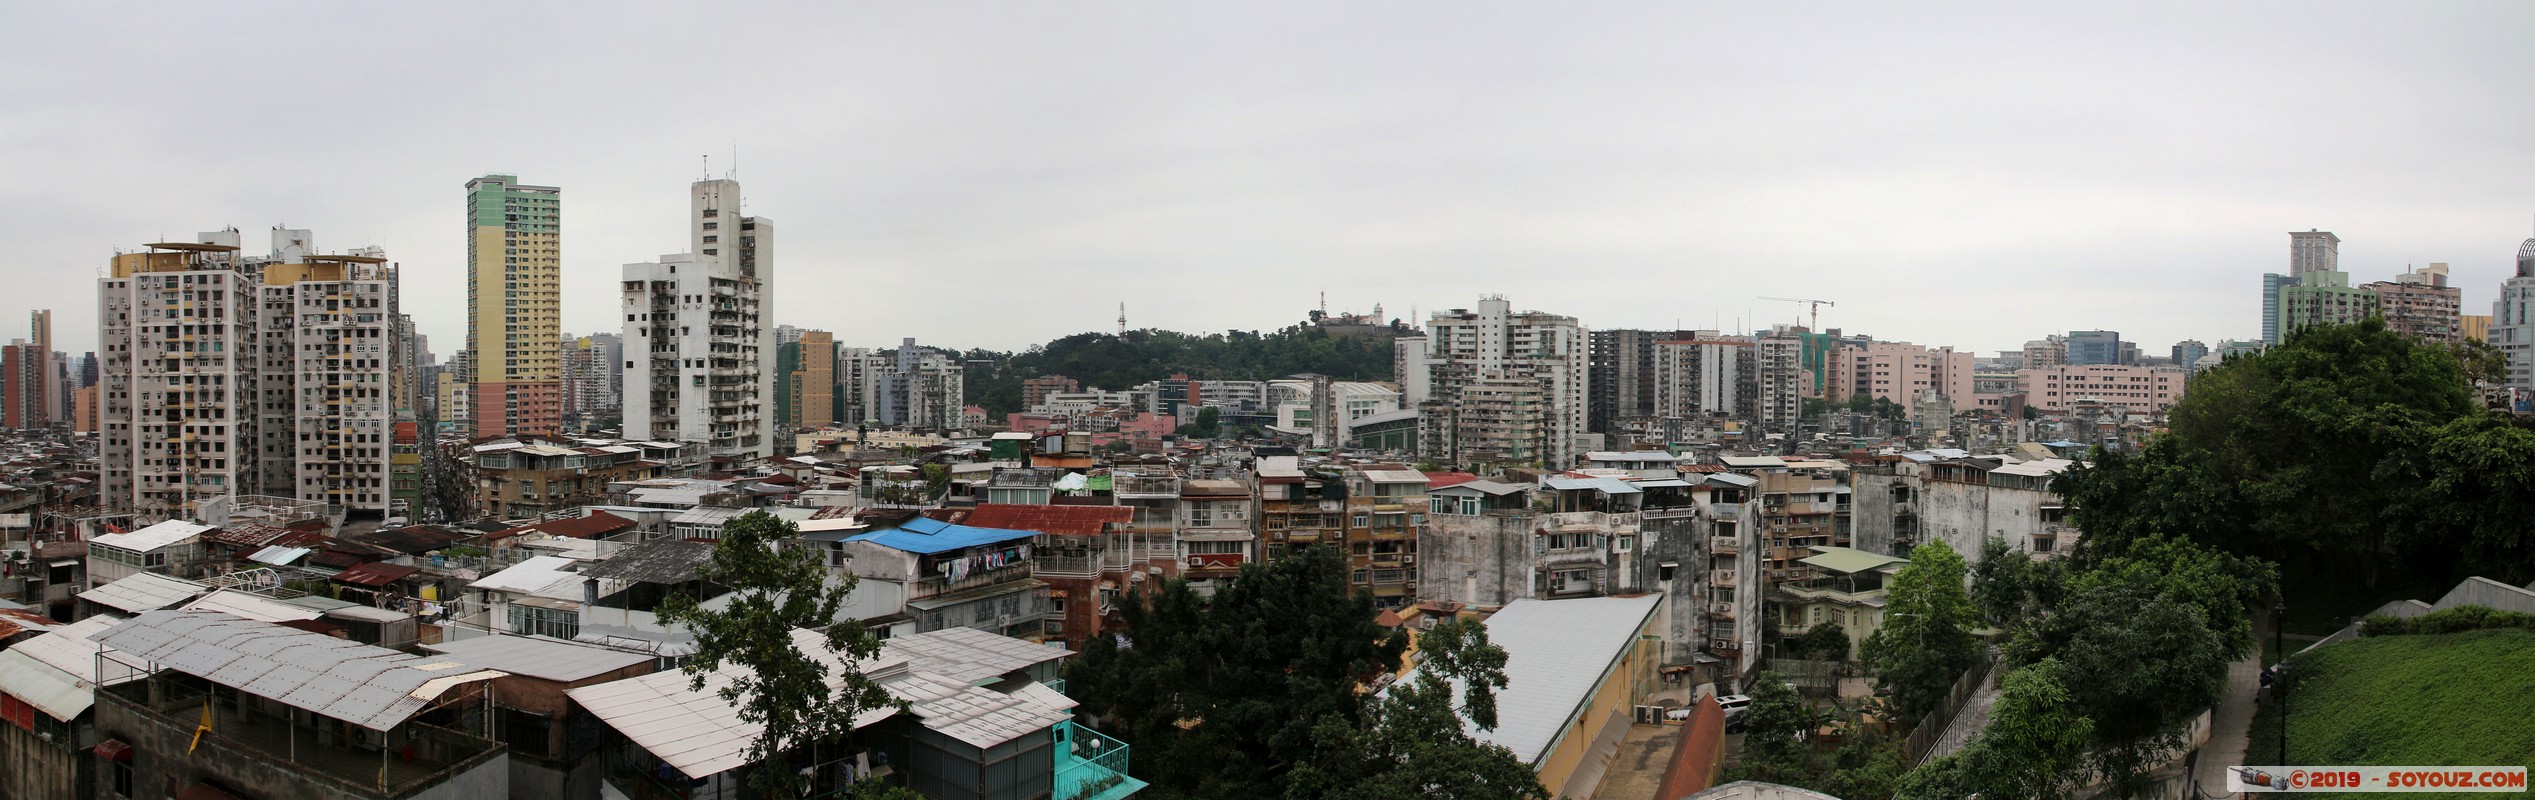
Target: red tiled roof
x=1438 y=480
x=375 y=573
x=1061 y=520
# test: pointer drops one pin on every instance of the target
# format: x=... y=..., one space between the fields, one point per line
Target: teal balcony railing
x=1091 y=765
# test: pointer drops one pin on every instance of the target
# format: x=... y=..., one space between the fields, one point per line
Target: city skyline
x=2057 y=171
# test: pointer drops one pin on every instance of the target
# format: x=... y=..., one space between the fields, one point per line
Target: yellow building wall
x=1612 y=698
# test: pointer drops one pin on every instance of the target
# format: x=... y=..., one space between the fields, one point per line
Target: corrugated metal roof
x=251 y=606
x=927 y=535
x=153 y=537
x=1750 y=462
x=970 y=655
x=1556 y=652
x=532 y=575
x=1603 y=485
x=69 y=649
x=656 y=561
x=60 y=695
x=539 y=656
x=699 y=734
x=2036 y=469
x=279 y=555
x=1069 y=520
x=373 y=687
x=146 y=591
x=707 y=515
x=1394 y=476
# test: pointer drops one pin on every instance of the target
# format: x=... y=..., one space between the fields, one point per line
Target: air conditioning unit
x=1408 y=559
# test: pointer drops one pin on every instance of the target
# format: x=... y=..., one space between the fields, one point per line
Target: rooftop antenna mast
x=1122 y=320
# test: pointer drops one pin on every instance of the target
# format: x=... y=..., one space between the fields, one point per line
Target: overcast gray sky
x=1000 y=174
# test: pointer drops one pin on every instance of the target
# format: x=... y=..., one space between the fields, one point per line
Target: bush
x=2453 y=620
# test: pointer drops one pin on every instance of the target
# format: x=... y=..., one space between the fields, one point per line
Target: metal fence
x=1923 y=737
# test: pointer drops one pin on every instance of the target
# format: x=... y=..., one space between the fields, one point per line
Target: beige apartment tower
x=514 y=306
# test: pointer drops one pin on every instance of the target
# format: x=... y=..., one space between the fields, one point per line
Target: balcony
x=938 y=586
x=1724 y=545
x=1145 y=486
x=1723 y=611
x=1721 y=577
x=1091 y=765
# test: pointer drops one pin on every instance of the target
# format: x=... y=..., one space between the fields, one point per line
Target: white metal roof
x=707 y=515
x=278 y=555
x=252 y=606
x=539 y=656
x=1750 y=462
x=369 y=686
x=1556 y=652
x=174 y=531
x=60 y=695
x=69 y=649
x=1394 y=476
x=144 y=591
x=2040 y=468
x=531 y=576
x=698 y=734
x=970 y=655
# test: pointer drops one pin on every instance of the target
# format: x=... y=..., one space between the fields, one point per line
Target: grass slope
x=2459 y=699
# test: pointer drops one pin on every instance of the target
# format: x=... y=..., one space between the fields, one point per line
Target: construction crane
x=1816 y=324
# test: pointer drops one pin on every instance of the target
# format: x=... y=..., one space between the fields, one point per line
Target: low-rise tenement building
x=528 y=477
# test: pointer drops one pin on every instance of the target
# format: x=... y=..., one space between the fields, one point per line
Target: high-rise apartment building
x=2272 y=283
x=1703 y=373
x=694 y=346
x=2420 y=304
x=2512 y=326
x=695 y=331
x=223 y=375
x=1622 y=382
x=593 y=375
x=2323 y=297
x=922 y=390
x=23 y=365
x=331 y=361
x=2187 y=354
x=2313 y=251
x=1781 y=379
x=514 y=306
x=1506 y=388
x=806 y=395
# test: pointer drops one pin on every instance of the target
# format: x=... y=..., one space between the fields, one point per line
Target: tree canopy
x=2341 y=451
x=1228 y=696
x=1925 y=642
x=1114 y=362
x=776 y=590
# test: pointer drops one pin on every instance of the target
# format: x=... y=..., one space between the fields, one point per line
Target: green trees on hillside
x=1110 y=361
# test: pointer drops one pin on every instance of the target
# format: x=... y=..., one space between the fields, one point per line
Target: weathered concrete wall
x=1481 y=560
x=161 y=765
x=31 y=767
x=1964 y=515
x=1872 y=527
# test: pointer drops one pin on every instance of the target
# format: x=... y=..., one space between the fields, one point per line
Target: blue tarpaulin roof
x=928 y=536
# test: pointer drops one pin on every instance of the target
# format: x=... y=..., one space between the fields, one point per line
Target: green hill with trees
x=1111 y=361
